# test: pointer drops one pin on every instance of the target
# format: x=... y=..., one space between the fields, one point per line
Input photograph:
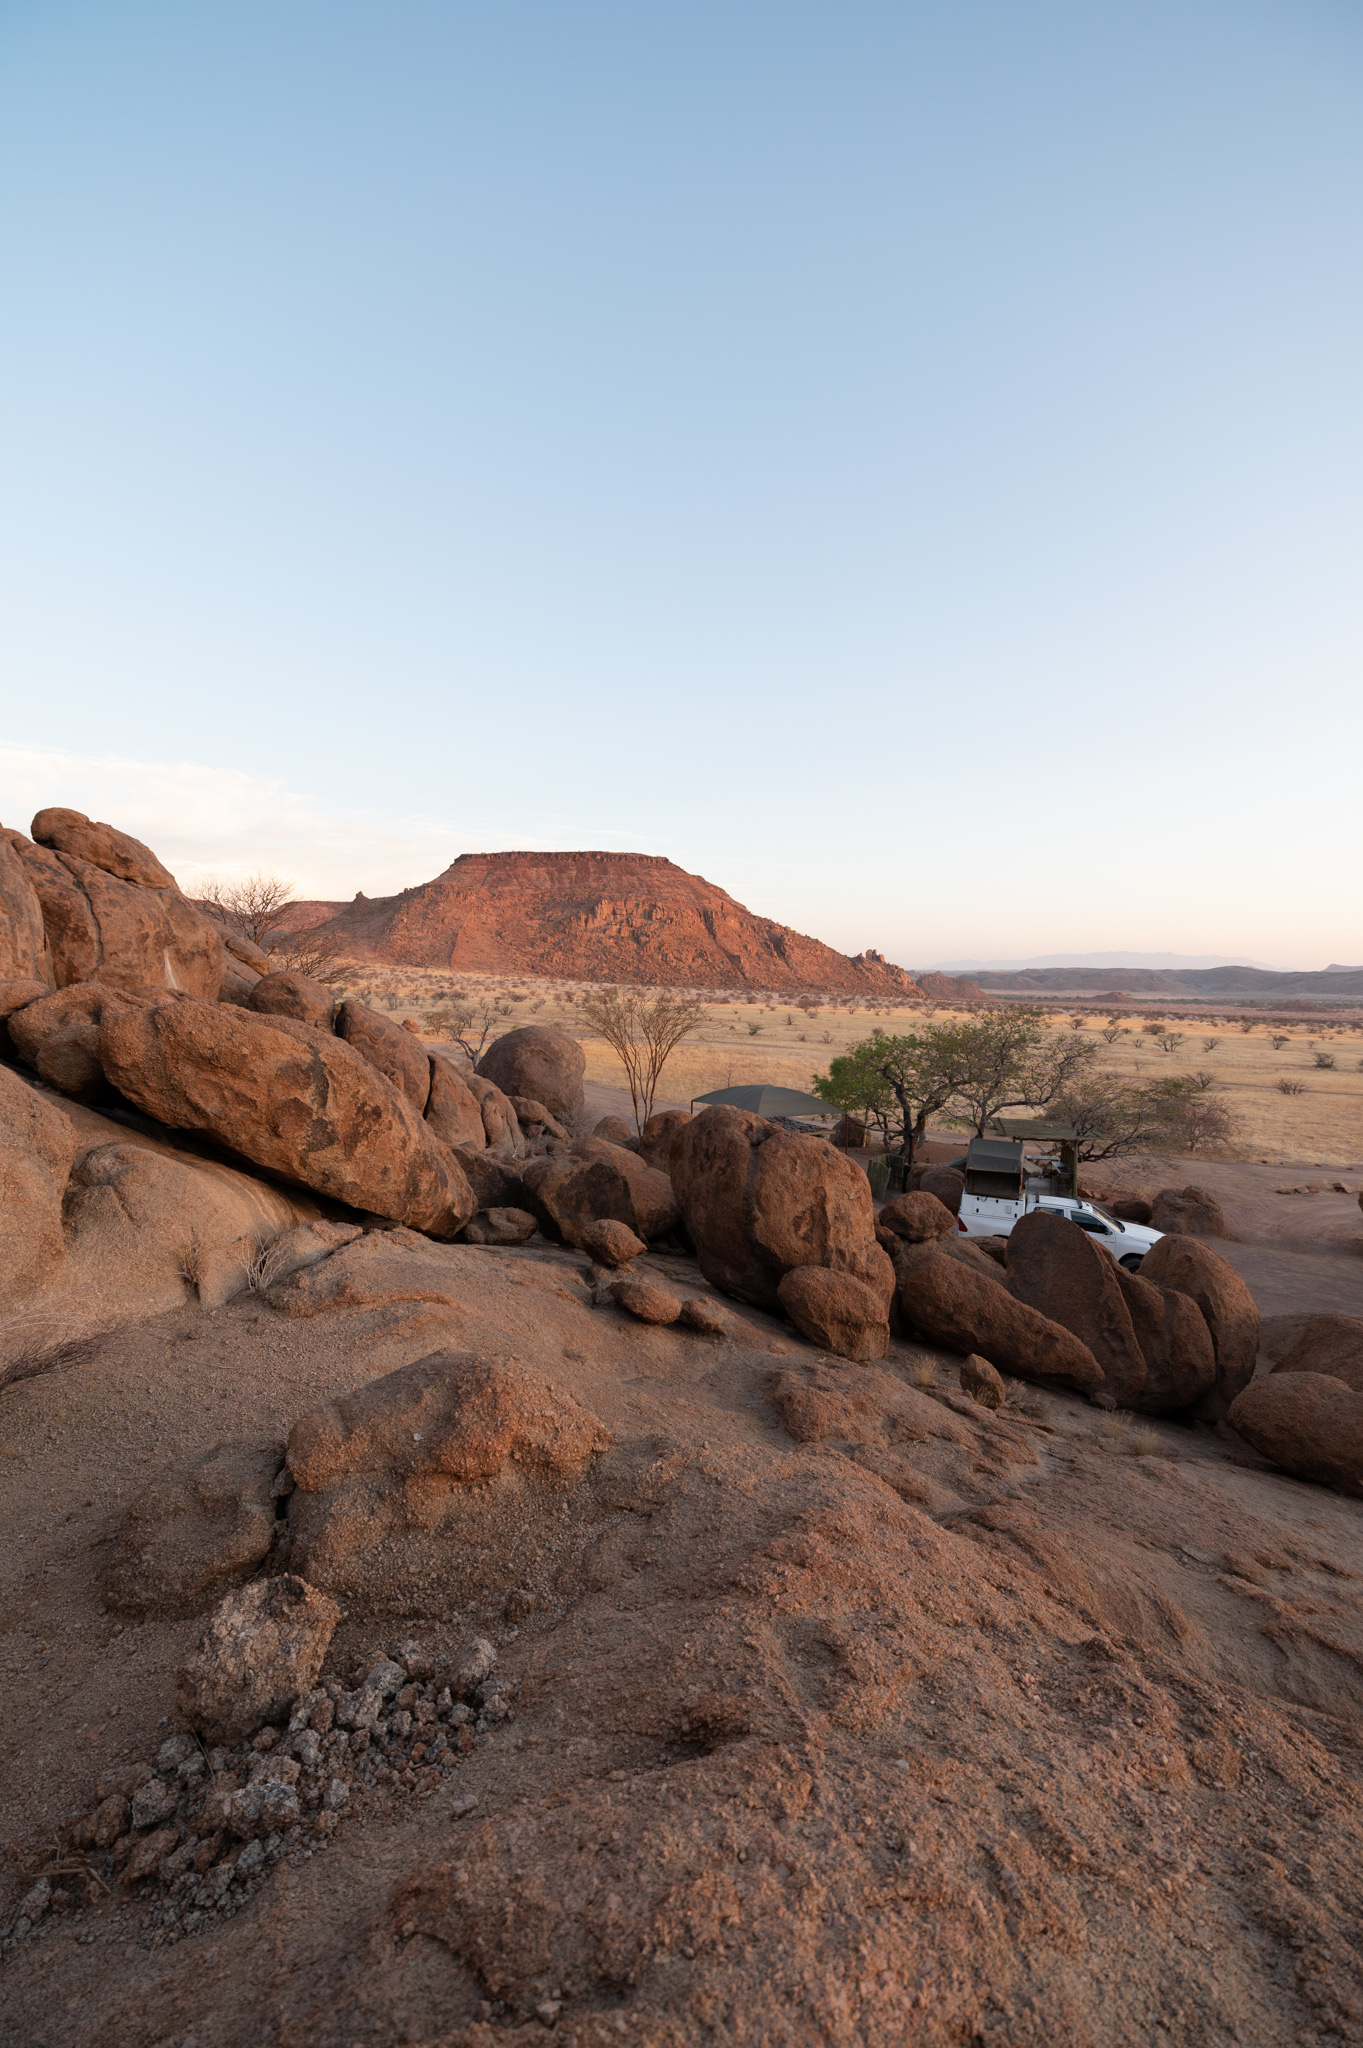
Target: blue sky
x=901 y=461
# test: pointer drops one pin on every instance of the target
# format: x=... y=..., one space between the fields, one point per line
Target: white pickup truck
x=1001 y=1188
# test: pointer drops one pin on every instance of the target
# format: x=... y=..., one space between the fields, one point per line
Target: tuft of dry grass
x=923 y=1373
x=1144 y=1442
x=189 y=1258
x=48 y=1336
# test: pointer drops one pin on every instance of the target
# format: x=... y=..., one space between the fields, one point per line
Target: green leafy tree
x=1007 y=1060
x=896 y=1083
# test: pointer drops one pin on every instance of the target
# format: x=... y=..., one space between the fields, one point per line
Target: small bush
x=753 y=1030
x=1279 y=1042
x=1292 y=1087
x=1325 y=1059
x=923 y=1373
x=1210 y=1044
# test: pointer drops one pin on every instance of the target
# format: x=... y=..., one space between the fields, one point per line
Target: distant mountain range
x=1110 y=960
x=1333 y=982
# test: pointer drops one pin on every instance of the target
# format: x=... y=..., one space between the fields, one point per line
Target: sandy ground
x=1036 y=1730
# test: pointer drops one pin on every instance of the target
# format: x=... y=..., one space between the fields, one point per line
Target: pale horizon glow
x=902 y=462
x=207 y=823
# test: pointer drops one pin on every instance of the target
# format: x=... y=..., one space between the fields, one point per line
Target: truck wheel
x=1131 y=1262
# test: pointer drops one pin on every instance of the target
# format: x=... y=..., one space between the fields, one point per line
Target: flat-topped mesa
x=609 y=917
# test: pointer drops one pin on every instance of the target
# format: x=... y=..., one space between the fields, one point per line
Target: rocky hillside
x=613 y=917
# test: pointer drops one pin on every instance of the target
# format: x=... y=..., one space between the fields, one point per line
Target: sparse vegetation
x=1286 y=1087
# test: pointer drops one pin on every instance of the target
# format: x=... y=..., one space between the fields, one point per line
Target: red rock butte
x=606 y=917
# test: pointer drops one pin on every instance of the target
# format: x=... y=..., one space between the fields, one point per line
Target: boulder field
x=473 y=1577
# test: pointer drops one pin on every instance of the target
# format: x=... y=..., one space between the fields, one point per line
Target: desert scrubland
x=752 y=1038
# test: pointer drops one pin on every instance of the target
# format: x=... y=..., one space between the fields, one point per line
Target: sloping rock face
x=540 y=1062
x=193 y=1534
x=759 y=1201
x=441 y=1483
x=100 y=927
x=372 y=1272
x=37 y=1147
x=623 y=917
x=294 y=1101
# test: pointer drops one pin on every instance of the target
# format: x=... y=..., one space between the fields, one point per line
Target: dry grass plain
x=751 y=1038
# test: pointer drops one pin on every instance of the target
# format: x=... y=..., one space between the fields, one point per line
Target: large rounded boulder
x=759 y=1201
x=1329 y=1344
x=541 y=1062
x=1056 y=1269
x=296 y=1101
x=1306 y=1422
x=124 y=934
x=1228 y=1309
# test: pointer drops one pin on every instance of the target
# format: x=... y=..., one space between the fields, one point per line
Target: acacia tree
x=896 y=1083
x=1007 y=1061
x=1112 y=1115
x=643 y=1028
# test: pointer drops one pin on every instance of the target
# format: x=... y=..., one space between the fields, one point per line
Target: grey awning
x=765 y=1099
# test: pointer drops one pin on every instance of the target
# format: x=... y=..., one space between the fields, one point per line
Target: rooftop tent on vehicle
x=993 y=1167
x=1039 y=1132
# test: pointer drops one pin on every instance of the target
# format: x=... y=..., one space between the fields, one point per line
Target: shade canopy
x=766 y=1100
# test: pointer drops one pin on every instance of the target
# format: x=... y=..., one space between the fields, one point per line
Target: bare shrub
x=1286 y=1087
x=644 y=1030
x=1210 y=1044
x=1170 y=1041
x=1204 y=1079
x=253 y=907
x=1280 y=1041
x=1325 y=1059
x=1111 y=1033
x=316 y=955
x=754 y=1029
